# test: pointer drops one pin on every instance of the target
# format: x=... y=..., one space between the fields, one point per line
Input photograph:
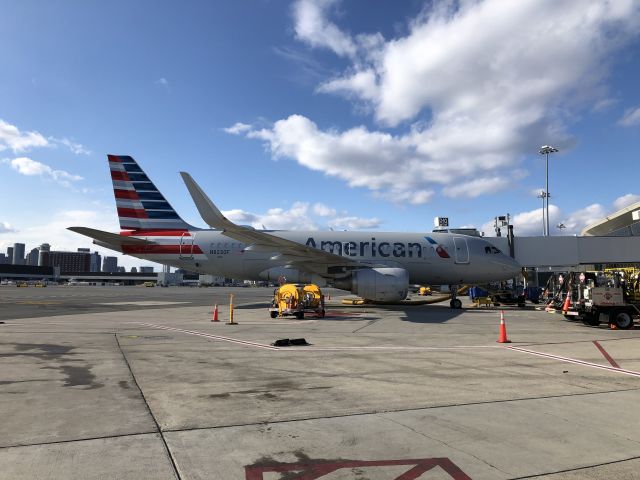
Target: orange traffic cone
x=328 y=296
x=566 y=304
x=502 y=338
x=215 y=313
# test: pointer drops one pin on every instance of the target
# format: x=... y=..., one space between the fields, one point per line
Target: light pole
x=546 y=150
x=543 y=195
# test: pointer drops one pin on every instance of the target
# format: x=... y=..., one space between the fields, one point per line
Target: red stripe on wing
x=155 y=233
x=157 y=249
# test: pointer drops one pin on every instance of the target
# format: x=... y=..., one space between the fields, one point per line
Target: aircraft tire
x=455 y=303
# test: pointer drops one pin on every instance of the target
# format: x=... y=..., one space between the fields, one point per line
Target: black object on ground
x=286 y=342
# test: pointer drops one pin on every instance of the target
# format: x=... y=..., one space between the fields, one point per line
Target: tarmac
x=137 y=383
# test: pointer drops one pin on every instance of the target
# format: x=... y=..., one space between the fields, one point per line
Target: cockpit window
x=491 y=249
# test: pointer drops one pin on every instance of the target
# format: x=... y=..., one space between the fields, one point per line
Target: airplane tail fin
x=140 y=204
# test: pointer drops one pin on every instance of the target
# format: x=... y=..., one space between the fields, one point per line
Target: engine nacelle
x=291 y=275
x=377 y=284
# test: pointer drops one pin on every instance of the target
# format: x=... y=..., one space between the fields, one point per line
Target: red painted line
x=214 y=337
x=313 y=470
x=606 y=355
x=577 y=362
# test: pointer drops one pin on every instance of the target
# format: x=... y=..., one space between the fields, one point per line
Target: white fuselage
x=429 y=258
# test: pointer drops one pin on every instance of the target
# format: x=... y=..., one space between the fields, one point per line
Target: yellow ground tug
x=296 y=300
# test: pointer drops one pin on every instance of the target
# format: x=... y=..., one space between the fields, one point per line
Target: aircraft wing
x=108 y=239
x=306 y=258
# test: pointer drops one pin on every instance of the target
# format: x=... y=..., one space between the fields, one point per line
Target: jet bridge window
x=491 y=249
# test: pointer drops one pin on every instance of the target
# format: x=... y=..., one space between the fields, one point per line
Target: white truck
x=607 y=304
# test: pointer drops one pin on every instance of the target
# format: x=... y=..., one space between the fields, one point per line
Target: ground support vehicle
x=296 y=300
x=598 y=297
x=507 y=297
x=607 y=304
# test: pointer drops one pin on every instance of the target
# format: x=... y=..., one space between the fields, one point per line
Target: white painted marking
x=214 y=337
x=577 y=362
x=143 y=303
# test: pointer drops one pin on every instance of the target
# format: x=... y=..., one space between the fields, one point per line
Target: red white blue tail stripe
x=140 y=204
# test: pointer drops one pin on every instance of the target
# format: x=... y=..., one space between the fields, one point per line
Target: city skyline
x=96 y=264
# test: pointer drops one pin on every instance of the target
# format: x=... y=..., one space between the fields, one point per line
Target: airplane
x=376 y=266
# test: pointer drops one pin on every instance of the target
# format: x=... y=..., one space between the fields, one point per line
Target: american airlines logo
x=378 y=249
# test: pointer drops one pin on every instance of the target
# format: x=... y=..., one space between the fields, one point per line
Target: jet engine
x=377 y=284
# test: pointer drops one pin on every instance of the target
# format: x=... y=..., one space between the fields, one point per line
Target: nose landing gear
x=455 y=302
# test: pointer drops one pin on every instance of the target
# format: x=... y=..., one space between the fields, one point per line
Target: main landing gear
x=455 y=302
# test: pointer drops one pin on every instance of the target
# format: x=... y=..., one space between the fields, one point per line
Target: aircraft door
x=186 y=246
x=462 y=250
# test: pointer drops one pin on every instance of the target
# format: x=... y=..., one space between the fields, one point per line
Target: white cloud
x=295 y=218
x=484 y=83
x=530 y=223
x=12 y=138
x=6 y=227
x=625 y=201
x=301 y=216
x=324 y=211
x=164 y=83
x=453 y=64
x=312 y=27
x=630 y=118
x=76 y=148
x=29 y=167
x=477 y=187
x=238 y=128
x=354 y=223
x=395 y=167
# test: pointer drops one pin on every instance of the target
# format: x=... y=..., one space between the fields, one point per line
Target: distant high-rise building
x=43 y=255
x=9 y=254
x=3 y=259
x=32 y=257
x=110 y=264
x=121 y=270
x=18 y=253
x=134 y=270
x=70 y=262
x=96 y=261
x=146 y=269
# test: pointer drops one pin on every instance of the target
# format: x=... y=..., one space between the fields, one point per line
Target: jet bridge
x=570 y=250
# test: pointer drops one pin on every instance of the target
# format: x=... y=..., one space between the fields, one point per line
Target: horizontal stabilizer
x=108 y=239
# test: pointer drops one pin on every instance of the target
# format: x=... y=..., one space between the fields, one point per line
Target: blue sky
x=318 y=114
